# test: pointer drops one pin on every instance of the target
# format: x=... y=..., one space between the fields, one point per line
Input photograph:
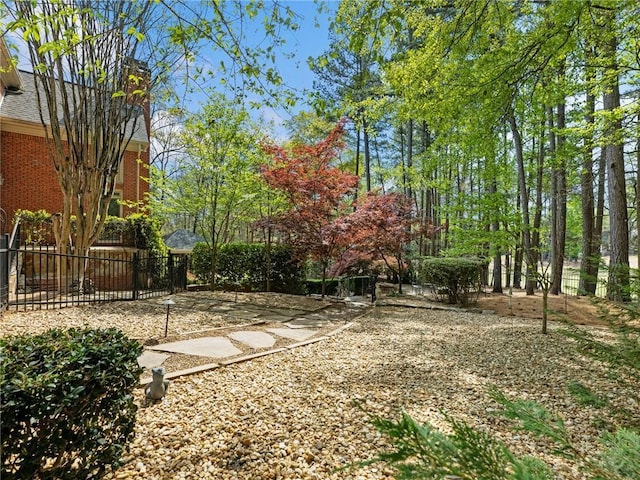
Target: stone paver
x=307 y=322
x=216 y=347
x=293 y=334
x=151 y=359
x=253 y=339
x=298 y=325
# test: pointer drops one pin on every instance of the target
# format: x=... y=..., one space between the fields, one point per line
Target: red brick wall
x=30 y=182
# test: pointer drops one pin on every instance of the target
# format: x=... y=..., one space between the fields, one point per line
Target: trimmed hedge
x=243 y=265
x=314 y=286
x=67 y=405
x=457 y=278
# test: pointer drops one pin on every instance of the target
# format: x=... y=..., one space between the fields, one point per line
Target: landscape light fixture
x=168 y=302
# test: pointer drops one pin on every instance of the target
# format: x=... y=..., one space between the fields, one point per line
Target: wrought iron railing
x=45 y=278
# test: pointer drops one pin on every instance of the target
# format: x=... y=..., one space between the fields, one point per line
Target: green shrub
x=241 y=265
x=200 y=262
x=456 y=278
x=314 y=286
x=287 y=274
x=146 y=234
x=67 y=404
x=35 y=226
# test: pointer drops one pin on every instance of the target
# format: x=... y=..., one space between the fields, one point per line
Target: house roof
x=24 y=108
x=182 y=239
x=9 y=76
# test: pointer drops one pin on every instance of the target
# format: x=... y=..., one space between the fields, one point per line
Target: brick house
x=27 y=176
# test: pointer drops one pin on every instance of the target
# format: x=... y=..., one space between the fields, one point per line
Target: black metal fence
x=4 y=271
x=570 y=282
x=39 y=277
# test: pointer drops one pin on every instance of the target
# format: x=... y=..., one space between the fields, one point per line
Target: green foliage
x=216 y=184
x=138 y=230
x=114 y=226
x=313 y=286
x=241 y=265
x=421 y=451
x=457 y=278
x=624 y=352
x=146 y=234
x=358 y=285
x=35 y=226
x=585 y=396
x=535 y=418
x=201 y=262
x=67 y=404
x=619 y=459
x=621 y=454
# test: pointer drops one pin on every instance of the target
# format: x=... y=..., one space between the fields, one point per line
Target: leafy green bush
x=67 y=404
x=244 y=265
x=146 y=234
x=35 y=226
x=314 y=286
x=241 y=264
x=457 y=278
x=200 y=262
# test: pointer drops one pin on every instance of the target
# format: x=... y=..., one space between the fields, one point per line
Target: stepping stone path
x=254 y=339
x=298 y=334
x=216 y=347
x=298 y=325
x=150 y=359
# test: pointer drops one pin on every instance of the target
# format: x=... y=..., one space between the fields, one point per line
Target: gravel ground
x=291 y=415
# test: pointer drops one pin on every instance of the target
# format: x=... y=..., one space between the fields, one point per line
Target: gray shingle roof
x=24 y=107
x=182 y=239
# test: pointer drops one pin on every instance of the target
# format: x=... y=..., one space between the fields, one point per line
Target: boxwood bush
x=455 y=278
x=67 y=403
x=243 y=265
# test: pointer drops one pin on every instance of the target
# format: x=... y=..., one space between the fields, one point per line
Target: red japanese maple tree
x=318 y=195
x=381 y=228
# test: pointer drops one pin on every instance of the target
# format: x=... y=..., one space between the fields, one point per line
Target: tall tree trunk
x=524 y=195
x=638 y=188
x=618 y=282
x=367 y=153
x=559 y=214
x=553 y=227
x=357 y=169
x=602 y=179
x=497 y=259
x=590 y=241
x=268 y=260
x=408 y=176
x=537 y=219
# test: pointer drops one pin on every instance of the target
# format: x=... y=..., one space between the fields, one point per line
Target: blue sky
x=310 y=40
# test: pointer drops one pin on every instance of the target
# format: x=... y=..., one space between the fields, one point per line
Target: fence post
x=4 y=271
x=171 y=273
x=135 y=268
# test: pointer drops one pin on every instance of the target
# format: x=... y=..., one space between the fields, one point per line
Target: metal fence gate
x=39 y=277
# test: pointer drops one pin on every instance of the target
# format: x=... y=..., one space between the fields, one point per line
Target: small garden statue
x=158 y=386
